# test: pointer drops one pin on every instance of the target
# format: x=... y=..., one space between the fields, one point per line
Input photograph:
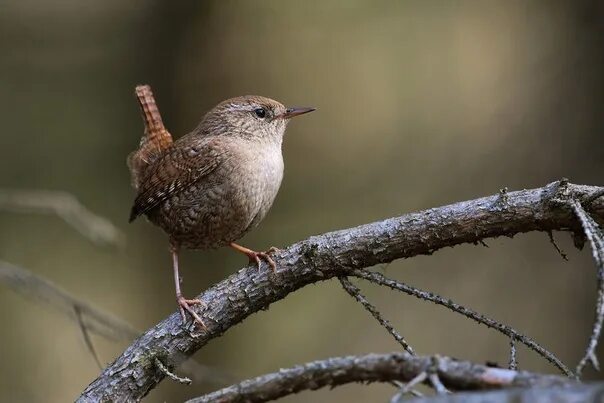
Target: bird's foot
x=185 y=305
x=257 y=257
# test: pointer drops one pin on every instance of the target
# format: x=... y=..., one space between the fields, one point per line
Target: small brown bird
x=211 y=186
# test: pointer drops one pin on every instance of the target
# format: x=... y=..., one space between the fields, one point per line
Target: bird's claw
x=258 y=256
x=185 y=305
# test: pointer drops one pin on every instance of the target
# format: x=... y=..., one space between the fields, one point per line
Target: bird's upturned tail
x=155 y=140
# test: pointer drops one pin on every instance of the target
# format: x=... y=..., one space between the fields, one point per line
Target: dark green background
x=419 y=103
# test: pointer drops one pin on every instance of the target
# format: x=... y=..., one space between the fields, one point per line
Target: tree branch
x=456 y=375
x=584 y=393
x=380 y=279
x=132 y=375
x=89 y=318
x=97 y=229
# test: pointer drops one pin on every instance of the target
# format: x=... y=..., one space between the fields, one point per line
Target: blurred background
x=420 y=104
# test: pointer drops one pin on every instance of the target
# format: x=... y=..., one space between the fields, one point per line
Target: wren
x=211 y=186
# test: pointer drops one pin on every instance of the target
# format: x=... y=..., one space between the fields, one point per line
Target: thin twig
x=437 y=384
x=42 y=290
x=558 y=249
x=160 y=365
x=404 y=389
x=513 y=365
x=354 y=292
x=401 y=366
x=429 y=376
x=86 y=336
x=433 y=371
x=380 y=279
x=90 y=319
x=583 y=393
x=97 y=229
x=596 y=240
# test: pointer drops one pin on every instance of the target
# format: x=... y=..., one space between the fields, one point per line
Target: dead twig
x=513 y=365
x=85 y=315
x=90 y=319
x=95 y=228
x=401 y=367
x=558 y=249
x=86 y=336
x=584 y=393
x=378 y=278
x=354 y=292
x=407 y=388
x=596 y=240
x=160 y=365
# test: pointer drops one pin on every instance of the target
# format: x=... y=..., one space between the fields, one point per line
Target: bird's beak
x=295 y=111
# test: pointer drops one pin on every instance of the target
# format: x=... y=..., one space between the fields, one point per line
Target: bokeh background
x=420 y=104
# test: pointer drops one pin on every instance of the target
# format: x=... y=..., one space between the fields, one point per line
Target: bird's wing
x=181 y=166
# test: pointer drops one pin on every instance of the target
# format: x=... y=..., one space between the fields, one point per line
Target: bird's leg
x=257 y=256
x=184 y=304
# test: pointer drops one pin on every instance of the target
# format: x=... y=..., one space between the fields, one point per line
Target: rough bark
x=132 y=375
x=585 y=393
x=403 y=367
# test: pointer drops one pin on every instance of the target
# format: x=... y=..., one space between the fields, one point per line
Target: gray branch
x=97 y=229
x=132 y=375
x=403 y=367
x=581 y=393
x=380 y=279
x=50 y=295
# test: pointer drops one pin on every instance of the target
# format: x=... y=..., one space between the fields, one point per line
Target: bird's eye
x=260 y=112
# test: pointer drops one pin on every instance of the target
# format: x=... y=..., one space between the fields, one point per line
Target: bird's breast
x=265 y=176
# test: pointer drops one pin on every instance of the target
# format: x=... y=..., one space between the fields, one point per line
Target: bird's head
x=250 y=116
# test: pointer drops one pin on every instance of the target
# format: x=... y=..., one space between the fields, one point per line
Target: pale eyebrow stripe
x=236 y=107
